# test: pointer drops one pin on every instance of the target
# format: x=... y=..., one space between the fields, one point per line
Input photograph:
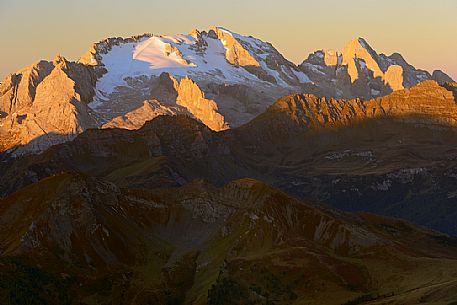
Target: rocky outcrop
x=451 y=86
x=360 y=72
x=394 y=77
x=358 y=49
x=218 y=105
x=83 y=77
x=259 y=58
x=52 y=110
x=331 y=58
x=165 y=89
x=427 y=104
x=171 y=50
x=193 y=99
x=187 y=96
x=137 y=118
x=411 y=75
x=17 y=91
x=235 y=54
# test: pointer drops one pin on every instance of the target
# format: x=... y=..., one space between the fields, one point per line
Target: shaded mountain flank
x=393 y=156
x=76 y=239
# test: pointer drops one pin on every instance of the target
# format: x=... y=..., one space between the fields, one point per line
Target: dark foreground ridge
x=72 y=239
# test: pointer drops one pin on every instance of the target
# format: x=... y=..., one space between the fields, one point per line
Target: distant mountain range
x=221 y=78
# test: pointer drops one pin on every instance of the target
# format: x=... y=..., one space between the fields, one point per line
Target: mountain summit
x=359 y=71
x=223 y=64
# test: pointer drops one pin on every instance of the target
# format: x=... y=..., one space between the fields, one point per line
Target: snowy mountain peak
x=217 y=56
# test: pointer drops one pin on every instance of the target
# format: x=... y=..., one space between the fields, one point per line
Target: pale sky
x=424 y=32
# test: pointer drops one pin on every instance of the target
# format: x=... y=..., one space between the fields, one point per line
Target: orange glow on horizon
x=422 y=33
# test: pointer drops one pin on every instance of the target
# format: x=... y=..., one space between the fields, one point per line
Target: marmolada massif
x=207 y=168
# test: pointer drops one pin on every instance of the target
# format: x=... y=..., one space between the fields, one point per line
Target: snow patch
x=302 y=77
x=183 y=55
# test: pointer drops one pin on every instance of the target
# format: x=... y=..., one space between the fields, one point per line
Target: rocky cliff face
x=78 y=223
x=235 y=53
x=358 y=71
x=18 y=90
x=49 y=105
x=138 y=117
x=192 y=98
x=426 y=103
x=186 y=94
x=358 y=49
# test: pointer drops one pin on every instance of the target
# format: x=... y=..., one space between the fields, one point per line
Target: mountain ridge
x=228 y=79
x=231 y=231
